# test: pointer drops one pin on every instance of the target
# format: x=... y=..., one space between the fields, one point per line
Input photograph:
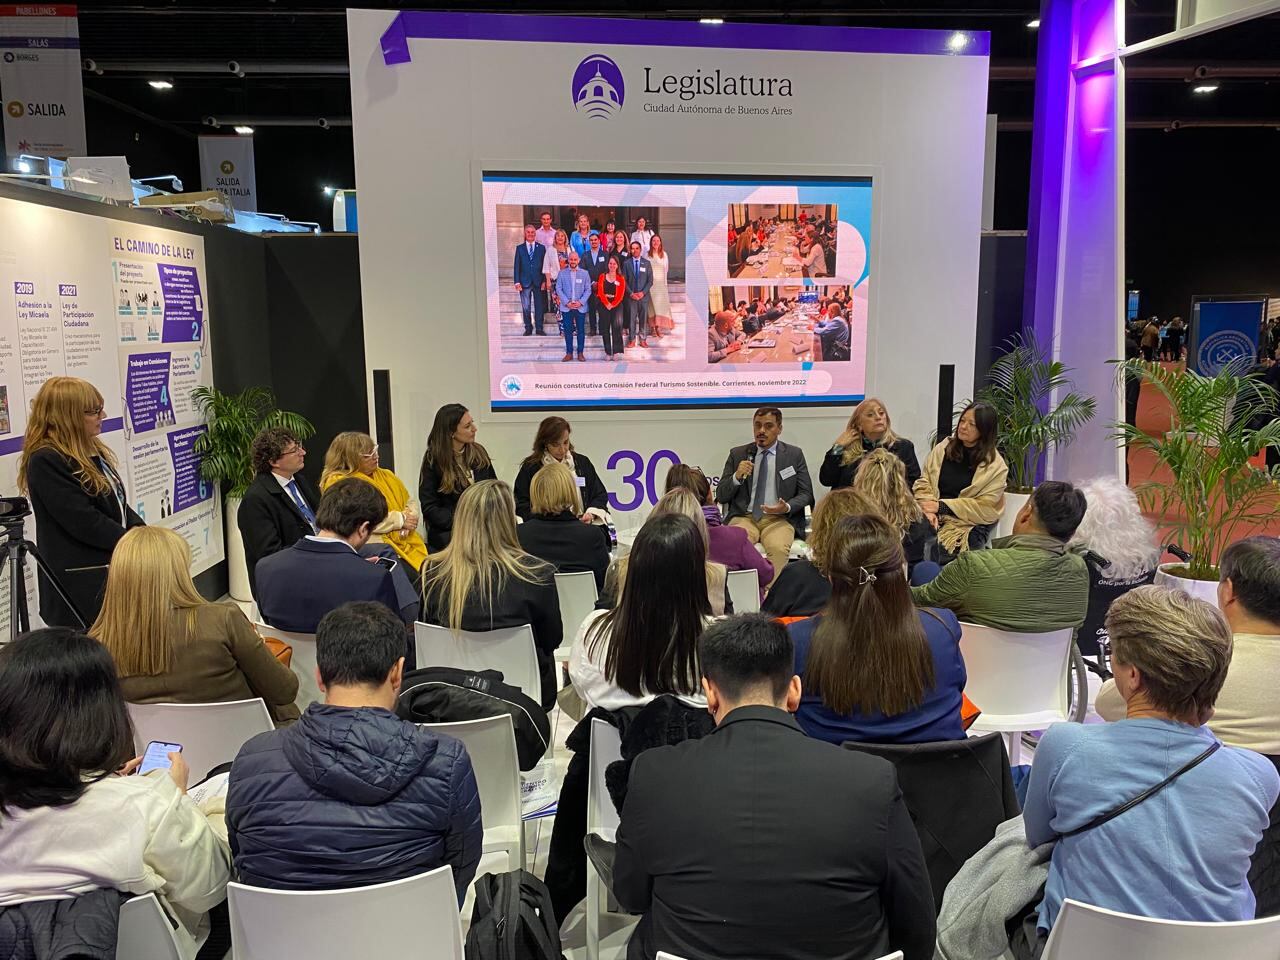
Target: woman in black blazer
x=453 y=461
x=555 y=531
x=868 y=428
x=77 y=495
x=552 y=445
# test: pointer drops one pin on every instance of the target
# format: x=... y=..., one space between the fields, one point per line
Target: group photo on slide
x=608 y=281
x=785 y=324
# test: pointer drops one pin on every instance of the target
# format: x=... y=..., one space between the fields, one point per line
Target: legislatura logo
x=598 y=88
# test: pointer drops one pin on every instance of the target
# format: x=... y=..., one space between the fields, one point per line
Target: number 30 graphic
x=646 y=487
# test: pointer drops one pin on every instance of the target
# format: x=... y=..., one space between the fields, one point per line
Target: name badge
x=580 y=481
x=786 y=473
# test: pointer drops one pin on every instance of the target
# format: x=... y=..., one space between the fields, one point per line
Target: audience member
x=757 y=842
x=1184 y=853
x=961 y=489
x=554 y=531
x=1029 y=582
x=1150 y=340
x=683 y=502
x=802 y=588
x=876 y=669
x=882 y=479
x=453 y=461
x=484 y=580
x=646 y=644
x=869 y=428
x=354 y=454
x=298 y=586
x=351 y=795
x=727 y=545
x=279 y=508
x=765 y=487
x=170 y=645
x=1120 y=549
x=611 y=291
x=72 y=818
x=551 y=444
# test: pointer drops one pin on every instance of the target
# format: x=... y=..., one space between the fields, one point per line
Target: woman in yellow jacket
x=354 y=454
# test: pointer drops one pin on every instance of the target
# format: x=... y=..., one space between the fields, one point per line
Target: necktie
x=294 y=492
x=762 y=481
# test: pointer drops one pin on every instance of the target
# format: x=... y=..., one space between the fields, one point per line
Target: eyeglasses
x=298 y=449
x=95 y=411
x=369 y=456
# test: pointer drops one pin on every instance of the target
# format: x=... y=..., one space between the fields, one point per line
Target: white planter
x=237 y=566
x=1206 y=590
x=1013 y=504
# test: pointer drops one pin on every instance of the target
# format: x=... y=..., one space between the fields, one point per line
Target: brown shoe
x=567 y=358
x=582 y=358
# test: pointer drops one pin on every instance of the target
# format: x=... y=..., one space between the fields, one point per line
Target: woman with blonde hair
x=354 y=454
x=869 y=428
x=882 y=479
x=80 y=504
x=659 y=300
x=802 y=588
x=874 y=668
x=170 y=645
x=452 y=462
x=554 y=531
x=484 y=580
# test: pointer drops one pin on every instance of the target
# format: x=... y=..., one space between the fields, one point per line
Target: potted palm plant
x=1021 y=386
x=234 y=419
x=1204 y=487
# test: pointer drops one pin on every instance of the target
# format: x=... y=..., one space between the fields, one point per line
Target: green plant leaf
x=233 y=421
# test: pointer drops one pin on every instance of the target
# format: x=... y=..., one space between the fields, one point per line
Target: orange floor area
x=1153 y=416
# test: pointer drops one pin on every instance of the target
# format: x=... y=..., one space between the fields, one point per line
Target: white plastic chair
x=744 y=591
x=602 y=819
x=510 y=650
x=210 y=733
x=663 y=955
x=146 y=934
x=1084 y=932
x=578 y=596
x=491 y=744
x=415 y=917
x=1017 y=680
x=303 y=662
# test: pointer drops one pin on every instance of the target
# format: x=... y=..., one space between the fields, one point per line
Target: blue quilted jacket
x=348 y=797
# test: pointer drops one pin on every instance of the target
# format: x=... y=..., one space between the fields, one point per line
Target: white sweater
x=134 y=834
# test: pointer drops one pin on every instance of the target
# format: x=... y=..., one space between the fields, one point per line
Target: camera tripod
x=13 y=558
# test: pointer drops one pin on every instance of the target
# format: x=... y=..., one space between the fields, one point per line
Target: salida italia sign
x=226 y=164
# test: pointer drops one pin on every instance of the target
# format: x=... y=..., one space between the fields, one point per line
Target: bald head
x=725 y=319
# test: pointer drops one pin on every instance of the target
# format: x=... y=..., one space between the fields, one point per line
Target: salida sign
x=226 y=164
x=40 y=76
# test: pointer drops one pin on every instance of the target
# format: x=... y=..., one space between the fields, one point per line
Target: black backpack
x=447 y=695
x=512 y=919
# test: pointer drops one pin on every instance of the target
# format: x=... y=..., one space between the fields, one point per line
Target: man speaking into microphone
x=765 y=487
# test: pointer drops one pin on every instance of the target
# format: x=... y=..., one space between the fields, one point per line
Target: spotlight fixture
x=1204 y=88
x=958 y=41
x=328 y=190
x=1033 y=24
x=244 y=131
x=711 y=20
x=160 y=84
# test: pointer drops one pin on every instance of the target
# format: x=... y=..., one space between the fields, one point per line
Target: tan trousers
x=776 y=533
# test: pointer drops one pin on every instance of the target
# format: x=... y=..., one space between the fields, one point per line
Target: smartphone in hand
x=156 y=756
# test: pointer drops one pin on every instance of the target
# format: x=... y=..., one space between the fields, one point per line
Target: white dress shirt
x=586 y=672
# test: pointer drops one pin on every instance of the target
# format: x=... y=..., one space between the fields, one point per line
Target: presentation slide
x=752 y=289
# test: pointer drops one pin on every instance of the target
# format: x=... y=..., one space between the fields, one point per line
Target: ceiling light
x=711 y=20
x=243 y=130
x=1033 y=24
x=160 y=84
x=328 y=190
x=1205 y=88
x=958 y=41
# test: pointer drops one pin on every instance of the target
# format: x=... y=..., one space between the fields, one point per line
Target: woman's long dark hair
x=550 y=430
x=454 y=470
x=869 y=650
x=62 y=718
x=984 y=451
x=653 y=631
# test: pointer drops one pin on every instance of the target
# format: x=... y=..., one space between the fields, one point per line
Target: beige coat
x=979 y=503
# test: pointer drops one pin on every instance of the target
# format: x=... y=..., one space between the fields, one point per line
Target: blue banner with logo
x=1224 y=332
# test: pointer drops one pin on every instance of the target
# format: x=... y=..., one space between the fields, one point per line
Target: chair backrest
x=744 y=591
x=606 y=747
x=414 y=917
x=957 y=792
x=578 y=596
x=510 y=650
x=491 y=744
x=144 y=932
x=1083 y=932
x=210 y=733
x=303 y=662
x=1017 y=680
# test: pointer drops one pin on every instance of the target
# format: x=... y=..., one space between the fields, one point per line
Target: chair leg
x=1015 y=747
x=594 y=908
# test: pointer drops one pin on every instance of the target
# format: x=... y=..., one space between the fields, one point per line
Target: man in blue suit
x=529 y=281
x=639 y=279
x=298 y=586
